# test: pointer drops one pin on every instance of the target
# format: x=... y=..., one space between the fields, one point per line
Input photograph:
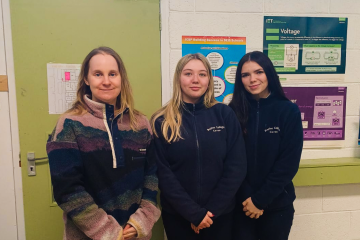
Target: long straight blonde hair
x=123 y=101
x=172 y=111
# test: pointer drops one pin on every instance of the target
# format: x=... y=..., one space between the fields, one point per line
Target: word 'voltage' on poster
x=301 y=48
x=224 y=54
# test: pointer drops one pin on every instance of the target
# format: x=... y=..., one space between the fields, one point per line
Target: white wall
x=322 y=212
x=327 y=213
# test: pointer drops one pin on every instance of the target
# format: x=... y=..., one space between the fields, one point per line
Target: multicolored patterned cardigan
x=101 y=176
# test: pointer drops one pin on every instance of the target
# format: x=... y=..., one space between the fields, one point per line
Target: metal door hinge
x=160 y=28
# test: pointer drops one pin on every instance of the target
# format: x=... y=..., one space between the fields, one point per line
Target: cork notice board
x=3 y=83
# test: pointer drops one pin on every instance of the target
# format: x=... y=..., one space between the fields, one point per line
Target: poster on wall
x=322 y=111
x=62 y=86
x=224 y=54
x=306 y=48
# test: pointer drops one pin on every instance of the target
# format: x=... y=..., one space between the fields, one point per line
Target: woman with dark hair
x=273 y=137
x=101 y=176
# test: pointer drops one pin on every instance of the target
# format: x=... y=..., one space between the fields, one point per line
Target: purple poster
x=322 y=111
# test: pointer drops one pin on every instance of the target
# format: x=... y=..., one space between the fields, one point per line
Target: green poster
x=306 y=45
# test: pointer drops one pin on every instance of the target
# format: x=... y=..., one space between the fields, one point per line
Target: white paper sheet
x=62 y=85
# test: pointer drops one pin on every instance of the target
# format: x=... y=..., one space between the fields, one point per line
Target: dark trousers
x=178 y=228
x=272 y=225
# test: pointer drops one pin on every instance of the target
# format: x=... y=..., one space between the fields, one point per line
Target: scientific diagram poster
x=306 y=47
x=62 y=86
x=224 y=54
x=322 y=111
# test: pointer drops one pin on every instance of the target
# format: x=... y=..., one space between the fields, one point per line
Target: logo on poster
x=270 y=20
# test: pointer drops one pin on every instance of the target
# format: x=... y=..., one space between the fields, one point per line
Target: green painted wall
x=64 y=31
x=328 y=171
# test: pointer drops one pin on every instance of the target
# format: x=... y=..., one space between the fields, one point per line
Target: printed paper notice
x=62 y=85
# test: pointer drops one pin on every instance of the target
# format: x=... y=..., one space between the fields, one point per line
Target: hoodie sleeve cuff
x=121 y=235
x=244 y=192
x=144 y=218
x=201 y=216
x=257 y=204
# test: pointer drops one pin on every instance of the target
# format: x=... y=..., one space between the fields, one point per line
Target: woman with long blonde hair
x=97 y=155
x=199 y=150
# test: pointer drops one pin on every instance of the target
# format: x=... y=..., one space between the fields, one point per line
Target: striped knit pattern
x=98 y=200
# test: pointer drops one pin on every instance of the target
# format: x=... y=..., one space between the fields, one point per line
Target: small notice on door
x=62 y=85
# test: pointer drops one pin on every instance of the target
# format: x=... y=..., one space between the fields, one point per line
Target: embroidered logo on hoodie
x=216 y=128
x=272 y=130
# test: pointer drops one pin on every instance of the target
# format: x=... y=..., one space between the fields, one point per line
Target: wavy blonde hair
x=172 y=111
x=123 y=101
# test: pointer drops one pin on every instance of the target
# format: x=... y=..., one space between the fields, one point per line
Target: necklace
x=268 y=95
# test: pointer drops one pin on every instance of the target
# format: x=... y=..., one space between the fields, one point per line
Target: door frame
x=166 y=88
x=14 y=127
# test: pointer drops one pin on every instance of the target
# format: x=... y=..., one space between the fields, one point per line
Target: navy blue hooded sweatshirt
x=203 y=171
x=274 y=142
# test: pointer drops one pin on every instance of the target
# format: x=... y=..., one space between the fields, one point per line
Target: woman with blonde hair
x=199 y=150
x=101 y=177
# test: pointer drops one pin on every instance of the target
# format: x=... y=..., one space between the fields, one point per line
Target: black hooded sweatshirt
x=274 y=141
x=203 y=171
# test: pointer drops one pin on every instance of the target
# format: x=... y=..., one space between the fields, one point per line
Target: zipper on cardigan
x=110 y=133
x=257 y=128
x=112 y=120
x=110 y=137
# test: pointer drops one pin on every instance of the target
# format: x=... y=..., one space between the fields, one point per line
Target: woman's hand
x=196 y=230
x=129 y=232
x=207 y=221
x=250 y=209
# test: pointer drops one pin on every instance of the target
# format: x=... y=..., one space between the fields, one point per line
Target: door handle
x=31 y=163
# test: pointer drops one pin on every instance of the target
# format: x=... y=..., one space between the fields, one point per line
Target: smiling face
x=254 y=79
x=194 y=81
x=104 y=79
